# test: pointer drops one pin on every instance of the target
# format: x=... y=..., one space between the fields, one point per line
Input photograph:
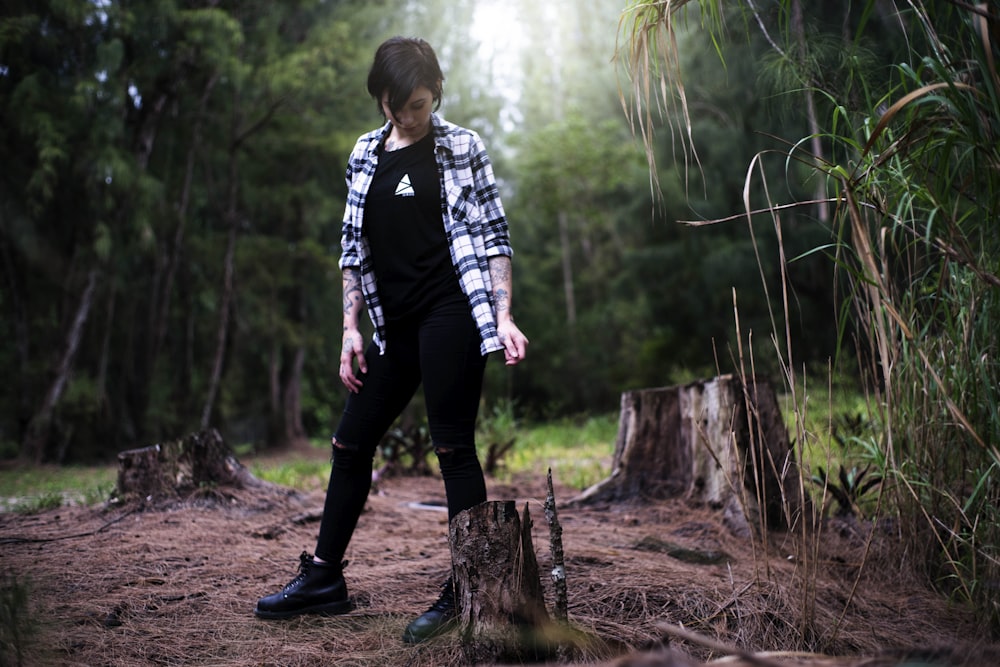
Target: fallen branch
x=681 y=632
x=40 y=540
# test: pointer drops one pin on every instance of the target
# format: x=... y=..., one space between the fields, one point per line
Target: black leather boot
x=435 y=620
x=319 y=588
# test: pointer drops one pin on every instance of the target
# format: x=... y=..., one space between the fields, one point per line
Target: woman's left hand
x=515 y=343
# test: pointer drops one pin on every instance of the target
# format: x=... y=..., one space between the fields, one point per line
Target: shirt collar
x=439 y=126
x=442 y=133
x=377 y=137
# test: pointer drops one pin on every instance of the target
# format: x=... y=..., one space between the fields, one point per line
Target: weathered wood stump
x=717 y=442
x=177 y=468
x=502 y=612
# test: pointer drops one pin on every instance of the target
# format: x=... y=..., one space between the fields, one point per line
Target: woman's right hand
x=353 y=347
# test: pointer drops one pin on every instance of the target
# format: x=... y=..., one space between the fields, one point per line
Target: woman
x=426 y=252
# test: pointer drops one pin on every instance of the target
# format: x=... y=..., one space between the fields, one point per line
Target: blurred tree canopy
x=172 y=190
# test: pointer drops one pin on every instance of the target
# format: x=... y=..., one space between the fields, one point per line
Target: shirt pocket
x=464 y=213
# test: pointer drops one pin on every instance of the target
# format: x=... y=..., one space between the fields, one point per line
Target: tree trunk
x=712 y=442
x=37 y=437
x=285 y=396
x=567 y=271
x=231 y=216
x=292 y=403
x=17 y=317
x=101 y=383
x=285 y=383
x=497 y=587
x=274 y=389
x=815 y=143
x=223 y=329
x=176 y=251
x=179 y=468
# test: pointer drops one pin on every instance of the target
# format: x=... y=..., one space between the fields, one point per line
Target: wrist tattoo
x=501 y=300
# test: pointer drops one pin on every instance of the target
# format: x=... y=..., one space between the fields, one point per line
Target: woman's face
x=415 y=115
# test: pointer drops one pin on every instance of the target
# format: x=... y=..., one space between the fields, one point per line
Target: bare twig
x=555 y=544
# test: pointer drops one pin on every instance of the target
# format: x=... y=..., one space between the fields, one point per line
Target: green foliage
x=135 y=139
x=496 y=435
x=849 y=489
x=98 y=494
x=577 y=450
x=9 y=449
x=406 y=448
x=901 y=120
x=302 y=474
x=917 y=180
x=153 y=143
x=834 y=421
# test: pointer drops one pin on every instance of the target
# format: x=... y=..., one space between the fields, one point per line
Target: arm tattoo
x=352 y=289
x=500 y=276
x=500 y=270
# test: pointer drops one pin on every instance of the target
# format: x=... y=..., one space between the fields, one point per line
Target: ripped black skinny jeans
x=441 y=350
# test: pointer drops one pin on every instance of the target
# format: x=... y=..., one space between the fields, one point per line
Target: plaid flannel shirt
x=473 y=216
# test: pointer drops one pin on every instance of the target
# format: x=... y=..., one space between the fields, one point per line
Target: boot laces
x=446 y=601
x=305 y=562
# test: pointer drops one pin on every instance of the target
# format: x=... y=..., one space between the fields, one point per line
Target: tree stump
x=715 y=442
x=178 y=468
x=497 y=587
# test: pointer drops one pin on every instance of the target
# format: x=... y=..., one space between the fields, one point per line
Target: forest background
x=173 y=187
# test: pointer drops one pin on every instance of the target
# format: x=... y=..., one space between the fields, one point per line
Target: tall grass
x=919 y=207
x=914 y=174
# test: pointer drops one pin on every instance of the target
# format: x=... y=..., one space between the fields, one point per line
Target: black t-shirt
x=406 y=234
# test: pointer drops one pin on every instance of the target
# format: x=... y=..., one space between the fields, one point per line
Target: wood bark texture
x=560 y=609
x=177 y=468
x=716 y=442
x=497 y=586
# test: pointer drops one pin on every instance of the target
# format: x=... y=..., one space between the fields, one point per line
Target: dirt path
x=177 y=585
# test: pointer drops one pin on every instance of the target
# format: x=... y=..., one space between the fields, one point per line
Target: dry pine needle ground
x=176 y=585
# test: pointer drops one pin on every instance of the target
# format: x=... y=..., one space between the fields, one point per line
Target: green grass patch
x=296 y=473
x=832 y=429
x=577 y=450
x=827 y=427
x=37 y=488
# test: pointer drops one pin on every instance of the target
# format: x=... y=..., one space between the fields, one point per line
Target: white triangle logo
x=404 y=189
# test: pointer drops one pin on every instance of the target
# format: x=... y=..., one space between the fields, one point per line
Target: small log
x=177 y=468
x=716 y=442
x=497 y=587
